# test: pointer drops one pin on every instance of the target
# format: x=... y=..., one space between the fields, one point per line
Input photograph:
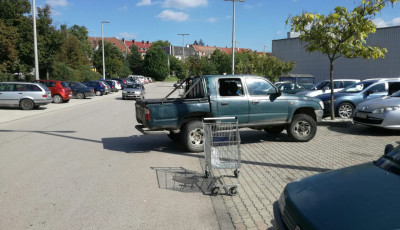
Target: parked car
x=135 y=91
x=325 y=87
x=60 y=90
x=24 y=95
x=347 y=99
x=80 y=90
x=122 y=81
x=99 y=88
x=382 y=112
x=289 y=87
x=112 y=85
x=108 y=89
x=149 y=79
x=359 y=197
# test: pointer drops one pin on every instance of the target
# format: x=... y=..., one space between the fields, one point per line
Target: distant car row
x=29 y=95
x=140 y=79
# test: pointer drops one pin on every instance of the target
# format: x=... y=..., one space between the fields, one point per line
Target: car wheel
x=98 y=93
x=80 y=96
x=274 y=129
x=57 y=99
x=345 y=110
x=193 y=136
x=26 y=104
x=175 y=137
x=302 y=128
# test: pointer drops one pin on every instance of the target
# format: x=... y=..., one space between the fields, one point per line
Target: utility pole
x=233 y=34
x=183 y=46
x=35 y=41
x=102 y=43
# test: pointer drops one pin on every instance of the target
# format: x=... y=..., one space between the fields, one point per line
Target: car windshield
x=357 y=87
x=390 y=161
x=134 y=86
x=64 y=84
x=321 y=85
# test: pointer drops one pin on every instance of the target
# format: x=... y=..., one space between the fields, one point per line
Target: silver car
x=381 y=112
x=135 y=91
x=24 y=95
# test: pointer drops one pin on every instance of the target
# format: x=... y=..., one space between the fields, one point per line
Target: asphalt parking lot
x=269 y=162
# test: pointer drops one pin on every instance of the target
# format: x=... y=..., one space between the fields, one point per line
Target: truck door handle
x=224 y=103
x=254 y=102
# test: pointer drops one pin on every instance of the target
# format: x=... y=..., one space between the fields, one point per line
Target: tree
x=71 y=51
x=156 y=64
x=124 y=71
x=11 y=11
x=340 y=33
x=222 y=62
x=160 y=43
x=81 y=33
x=201 y=43
x=62 y=72
x=113 y=59
x=8 y=51
x=177 y=67
x=195 y=42
x=135 y=61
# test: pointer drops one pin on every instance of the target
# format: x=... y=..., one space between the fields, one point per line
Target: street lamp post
x=233 y=34
x=183 y=46
x=35 y=41
x=102 y=44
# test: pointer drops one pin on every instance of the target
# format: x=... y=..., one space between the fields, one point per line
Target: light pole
x=35 y=41
x=233 y=34
x=183 y=46
x=102 y=44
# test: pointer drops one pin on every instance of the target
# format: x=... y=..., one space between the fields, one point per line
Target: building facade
x=317 y=64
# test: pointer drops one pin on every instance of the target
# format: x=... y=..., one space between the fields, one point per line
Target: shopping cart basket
x=222 y=151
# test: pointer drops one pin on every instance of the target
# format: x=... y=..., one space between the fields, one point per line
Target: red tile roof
x=94 y=42
x=142 y=46
x=208 y=50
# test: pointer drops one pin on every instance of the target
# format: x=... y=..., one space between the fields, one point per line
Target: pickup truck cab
x=254 y=100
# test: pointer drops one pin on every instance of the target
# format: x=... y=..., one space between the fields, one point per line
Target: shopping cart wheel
x=233 y=191
x=215 y=191
x=207 y=174
x=236 y=173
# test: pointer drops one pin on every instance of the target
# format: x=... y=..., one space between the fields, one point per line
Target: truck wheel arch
x=194 y=116
x=306 y=110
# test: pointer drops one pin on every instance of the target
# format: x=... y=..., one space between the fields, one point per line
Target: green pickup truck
x=254 y=100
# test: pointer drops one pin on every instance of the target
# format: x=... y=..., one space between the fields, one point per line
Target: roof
x=142 y=46
x=208 y=50
x=94 y=42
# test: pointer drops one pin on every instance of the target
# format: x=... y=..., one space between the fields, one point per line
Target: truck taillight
x=147 y=113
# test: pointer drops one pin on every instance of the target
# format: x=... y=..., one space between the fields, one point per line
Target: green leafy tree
x=113 y=59
x=135 y=61
x=156 y=64
x=86 y=73
x=222 y=62
x=62 y=72
x=160 y=43
x=177 y=67
x=124 y=71
x=201 y=42
x=81 y=33
x=8 y=49
x=12 y=11
x=340 y=34
x=72 y=52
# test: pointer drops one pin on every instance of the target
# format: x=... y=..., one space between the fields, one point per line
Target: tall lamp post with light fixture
x=35 y=41
x=233 y=34
x=183 y=46
x=102 y=44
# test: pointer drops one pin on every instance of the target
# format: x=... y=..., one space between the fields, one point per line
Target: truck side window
x=259 y=87
x=230 y=87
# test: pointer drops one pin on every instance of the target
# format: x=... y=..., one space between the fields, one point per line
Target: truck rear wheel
x=193 y=136
x=302 y=128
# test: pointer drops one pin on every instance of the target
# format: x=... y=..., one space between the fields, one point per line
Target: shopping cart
x=222 y=151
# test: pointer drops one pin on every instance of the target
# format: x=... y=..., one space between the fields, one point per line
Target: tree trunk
x=332 y=109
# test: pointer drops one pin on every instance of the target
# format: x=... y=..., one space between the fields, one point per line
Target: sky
x=258 y=22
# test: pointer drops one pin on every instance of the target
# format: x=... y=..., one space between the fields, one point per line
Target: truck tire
x=274 y=129
x=193 y=136
x=302 y=128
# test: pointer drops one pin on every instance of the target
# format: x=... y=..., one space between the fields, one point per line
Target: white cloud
x=124 y=8
x=127 y=35
x=379 y=22
x=55 y=12
x=170 y=15
x=57 y=3
x=144 y=3
x=183 y=4
x=212 y=20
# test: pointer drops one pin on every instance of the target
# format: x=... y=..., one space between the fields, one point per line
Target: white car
x=324 y=87
x=117 y=84
x=381 y=112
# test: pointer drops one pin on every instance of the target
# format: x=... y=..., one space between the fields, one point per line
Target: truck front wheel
x=302 y=128
x=193 y=136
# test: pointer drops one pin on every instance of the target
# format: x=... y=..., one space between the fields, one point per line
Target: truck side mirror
x=388 y=148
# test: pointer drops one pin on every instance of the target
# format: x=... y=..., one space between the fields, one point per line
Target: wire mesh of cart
x=222 y=151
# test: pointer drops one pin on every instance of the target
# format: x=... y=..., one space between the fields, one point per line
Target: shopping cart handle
x=218 y=118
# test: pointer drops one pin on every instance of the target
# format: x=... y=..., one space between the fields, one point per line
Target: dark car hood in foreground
x=359 y=197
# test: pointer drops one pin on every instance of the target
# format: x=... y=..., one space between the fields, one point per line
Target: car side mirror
x=388 y=148
x=278 y=92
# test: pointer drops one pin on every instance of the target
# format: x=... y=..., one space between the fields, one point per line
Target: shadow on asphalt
x=361 y=130
x=17 y=108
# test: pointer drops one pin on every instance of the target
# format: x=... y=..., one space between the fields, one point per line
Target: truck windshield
x=357 y=87
x=390 y=161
